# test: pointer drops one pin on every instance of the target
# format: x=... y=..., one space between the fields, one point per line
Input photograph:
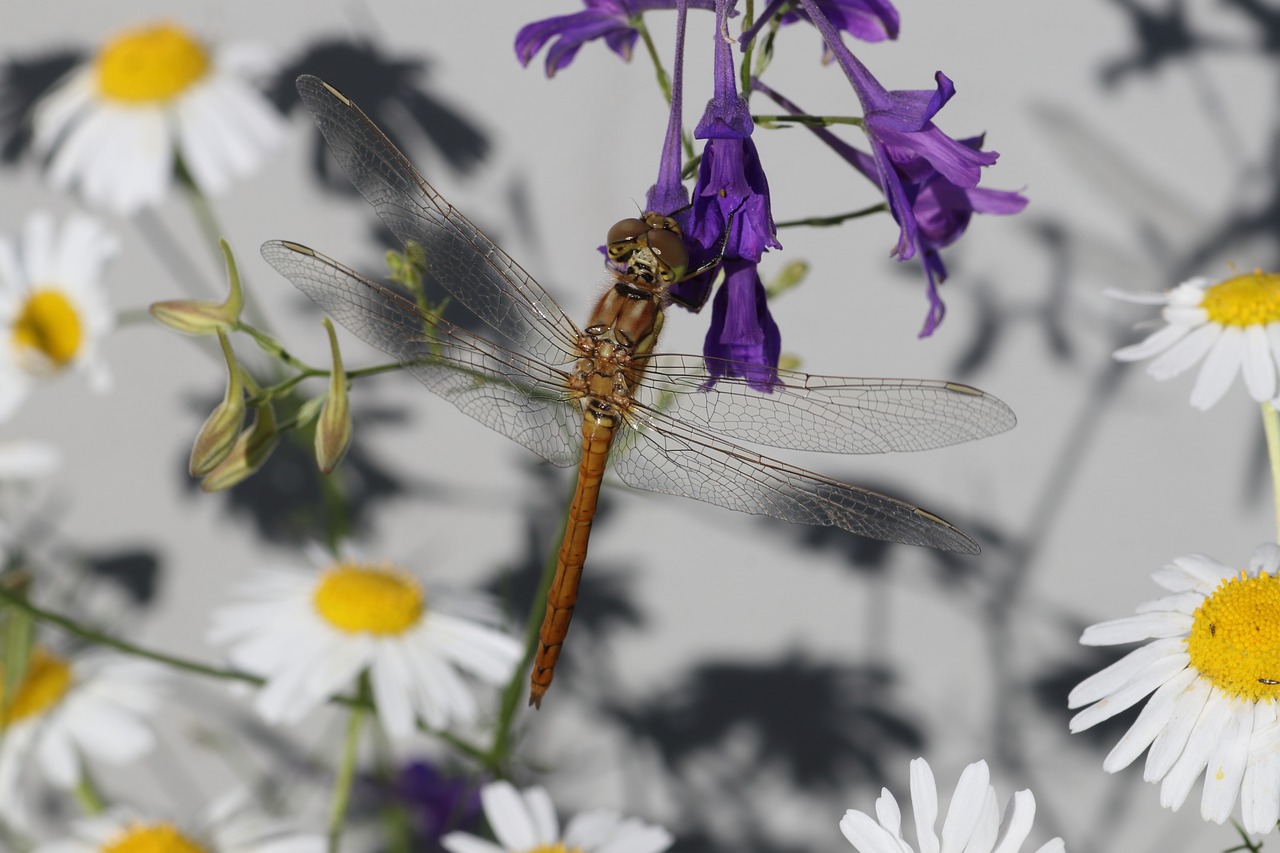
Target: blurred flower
x=1213 y=662
x=53 y=308
x=525 y=822
x=610 y=20
x=1232 y=324
x=27 y=460
x=229 y=826
x=972 y=822
x=310 y=635
x=869 y=20
x=93 y=707
x=435 y=802
x=152 y=99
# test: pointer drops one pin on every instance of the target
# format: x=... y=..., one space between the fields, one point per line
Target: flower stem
x=346 y=769
x=87 y=795
x=1271 y=426
x=664 y=81
x=834 y=219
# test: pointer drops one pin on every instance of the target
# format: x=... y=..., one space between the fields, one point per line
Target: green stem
x=497 y=754
x=744 y=70
x=764 y=120
x=1271 y=426
x=834 y=219
x=346 y=770
x=664 y=81
x=87 y=795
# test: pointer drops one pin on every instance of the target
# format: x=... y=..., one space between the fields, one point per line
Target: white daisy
x=972 y=823
x=67 y=710
x=53 y=309
x=525 y=822
x=228 y=827
x=115 y=126
x=310 y=635
x=1231 y=325
x=1212 y=668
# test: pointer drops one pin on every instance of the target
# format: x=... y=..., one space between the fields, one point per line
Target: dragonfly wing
x=663 y=455
x=458 y=255
x=835 y=414
x=522 y=399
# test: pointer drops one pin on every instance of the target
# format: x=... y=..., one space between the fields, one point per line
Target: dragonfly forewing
x=676 y=458
x=523 y=399
x=831 y=414
x=459 y=257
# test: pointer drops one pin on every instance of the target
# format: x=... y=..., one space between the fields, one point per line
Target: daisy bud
x=248 y=454
x=218 y=435
x=202 y=317
x=333 y=430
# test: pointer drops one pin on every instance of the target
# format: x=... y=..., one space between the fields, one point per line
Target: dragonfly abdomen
x=598 y=429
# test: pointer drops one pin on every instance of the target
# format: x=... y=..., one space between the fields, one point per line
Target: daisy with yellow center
x=53 y=309
x=525 y=822
x=229 y=826
x=311 y=635
x=117 y=125
x=972 y=823
x=1232 y=325
x=66 y=711
x=1212 y=670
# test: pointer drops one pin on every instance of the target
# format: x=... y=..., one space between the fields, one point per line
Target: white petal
x=1205 y=735
x=1227 y=763
x=1132 y=629
x=866 y=835
x=391 y=680
x=587 y=831
x=966 y=807
x=924 y=805
x=465 y=842
x=1124 y=671
x=1169 y=744
x=1019 y=819
x=1259 y=365
x=1157 y=674
x=508 y=816
x=888 y=813
x=543 y=814
x=1186 y=353
x=1154 y=344
x=1219 y=369
x=1153 y=718
x=57 y=756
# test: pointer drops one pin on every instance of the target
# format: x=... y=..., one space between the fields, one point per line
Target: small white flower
x=311 y=634
x=93 y=707
x=53 y=309
x=1231 y=325
x=525 y=822
x=1212 y=669
x=118 y=125
x=229 y=826
x=972 y=823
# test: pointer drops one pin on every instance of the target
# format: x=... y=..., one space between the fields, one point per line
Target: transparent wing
x=507 y=392
x=664 y=455
x=458 y=255
x=835 y=414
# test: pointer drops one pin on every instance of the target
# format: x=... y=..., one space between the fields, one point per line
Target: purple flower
x=436 y=803
x=743 y=339
x=929 y=179
x=869 y=20
x=610 y=20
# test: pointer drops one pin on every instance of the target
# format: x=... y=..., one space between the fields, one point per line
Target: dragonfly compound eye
x=669 y=250
x=621 y=242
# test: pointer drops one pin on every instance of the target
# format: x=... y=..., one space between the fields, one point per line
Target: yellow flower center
x=44 y=683
x=1235 y=637
x=49 y=325
x=151 y=838
x=1246 y=300
x=150 y=65
x=558 y=847
x=380 y=599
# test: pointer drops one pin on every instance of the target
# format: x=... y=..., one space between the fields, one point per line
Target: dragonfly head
x=650 y=248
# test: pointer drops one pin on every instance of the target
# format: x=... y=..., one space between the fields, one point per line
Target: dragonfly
x=598 y=396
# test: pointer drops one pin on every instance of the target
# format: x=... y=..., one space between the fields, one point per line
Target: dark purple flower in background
x=610 y=20
x=743 y=338
x=929 y=180
x=436 y=803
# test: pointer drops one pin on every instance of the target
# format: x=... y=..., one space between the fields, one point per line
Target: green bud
x=218 y=435
x=202 y=317
x=791 y=275
x=252 y=448
x=333 y=429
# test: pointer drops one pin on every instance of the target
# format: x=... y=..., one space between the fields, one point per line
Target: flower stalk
x=1271 y=426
